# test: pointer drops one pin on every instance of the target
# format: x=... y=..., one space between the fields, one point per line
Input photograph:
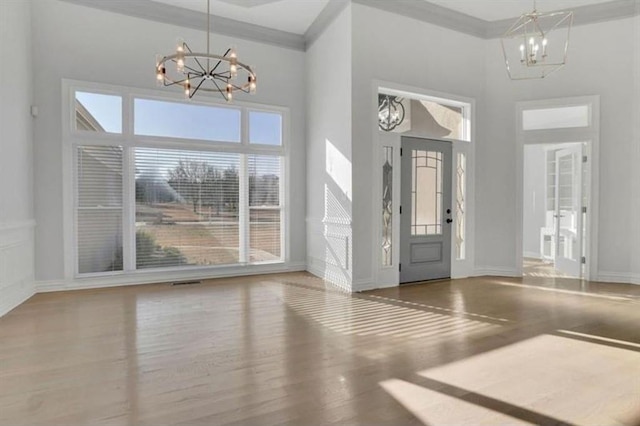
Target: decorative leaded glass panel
x=426 y=192
x=387 y=206
x=461 y=170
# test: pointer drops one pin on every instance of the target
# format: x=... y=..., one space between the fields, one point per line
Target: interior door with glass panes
x=426 y=219
x=568 y=211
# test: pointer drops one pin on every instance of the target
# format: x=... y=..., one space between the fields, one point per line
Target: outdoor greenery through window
x=180 y=205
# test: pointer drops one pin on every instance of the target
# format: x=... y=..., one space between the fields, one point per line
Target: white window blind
x=264 y=205
x=163 y=187
x=187 y=208
x=99 y=209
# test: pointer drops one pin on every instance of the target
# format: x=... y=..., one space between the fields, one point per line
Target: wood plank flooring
x=288 y=349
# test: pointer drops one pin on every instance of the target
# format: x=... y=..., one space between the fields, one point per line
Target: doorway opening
x=442 y=126
x=554 y=207
x=558 y=152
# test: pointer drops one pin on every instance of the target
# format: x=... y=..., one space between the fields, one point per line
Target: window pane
x=556 y=118
x=265 y=128
x=99 y=183
x=98 y=113
x=426 y=193
x=186 y=208
x=461 y=171
x=387 y=206
x=187 y=121
x=422 y=118
x=265 y=173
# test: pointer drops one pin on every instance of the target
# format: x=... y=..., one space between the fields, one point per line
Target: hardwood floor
x=285 y=349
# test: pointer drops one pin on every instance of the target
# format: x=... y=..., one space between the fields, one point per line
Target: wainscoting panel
x=16 y=264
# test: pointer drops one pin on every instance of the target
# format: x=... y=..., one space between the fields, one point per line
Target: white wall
x=81 y=43
x=535 y=193
x=329 y=153
x=405 y=51
x=600 y=63
x=16 y=145
x=635 y=208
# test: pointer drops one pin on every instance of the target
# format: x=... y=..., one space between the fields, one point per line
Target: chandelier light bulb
x=229 y=92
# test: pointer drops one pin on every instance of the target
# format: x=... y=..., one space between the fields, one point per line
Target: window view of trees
x=188 y=208
x=189 y=201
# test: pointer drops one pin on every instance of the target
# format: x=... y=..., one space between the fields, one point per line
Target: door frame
x=389 y=276
x=590 y=135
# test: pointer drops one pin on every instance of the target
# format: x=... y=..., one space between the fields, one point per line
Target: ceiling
x=296 y=16
x=293 y=16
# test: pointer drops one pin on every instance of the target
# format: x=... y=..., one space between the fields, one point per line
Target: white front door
x=568 y=212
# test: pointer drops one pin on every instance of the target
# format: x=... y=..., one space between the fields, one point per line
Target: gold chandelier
x=536 y=45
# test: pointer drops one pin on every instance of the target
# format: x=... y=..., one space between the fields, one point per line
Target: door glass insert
x=426 y=192
x=461 y=165
x=387 y=206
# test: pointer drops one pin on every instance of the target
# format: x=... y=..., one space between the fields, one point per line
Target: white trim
x=489 y=271
x=8 y=226
x=15 y=295
x=325 y=271
x=532 y=255
x=589 y=135
x=459 y=268
x=423 y=11
x=165 y=277
x=128 y=140
x=368 y=285
x=618 y=277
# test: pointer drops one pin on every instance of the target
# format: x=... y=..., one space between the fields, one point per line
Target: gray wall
x=16 y=154
x=534 y=199
x=612 y=77
x=329 y=147
x=81 y=43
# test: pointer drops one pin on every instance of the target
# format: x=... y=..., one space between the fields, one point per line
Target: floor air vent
x=186 y=282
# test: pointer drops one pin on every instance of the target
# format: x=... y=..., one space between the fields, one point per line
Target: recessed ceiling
x=495 y=10
x=294 y=16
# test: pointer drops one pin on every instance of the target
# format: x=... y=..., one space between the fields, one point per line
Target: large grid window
x=178 y=190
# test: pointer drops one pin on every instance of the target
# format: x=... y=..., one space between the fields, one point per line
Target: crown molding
x=432 y=14
x=168 y=14
x=582 y=15
x=323 y=20
x=420 y=10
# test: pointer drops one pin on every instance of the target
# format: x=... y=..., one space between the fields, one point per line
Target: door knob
x=449 y=220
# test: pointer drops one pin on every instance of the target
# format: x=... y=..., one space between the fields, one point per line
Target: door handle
x=449 y=220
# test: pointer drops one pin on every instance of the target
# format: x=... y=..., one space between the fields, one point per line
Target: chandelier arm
x=196 y=89
x=192 y=69
x=173 y=82
x=219 y=62
x=223 y=93
x=200 y=65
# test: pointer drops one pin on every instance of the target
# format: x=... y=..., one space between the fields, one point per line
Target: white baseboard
x=532 y=255
x=368 y=285
x=162 y=277
x=618 y=277
x=488 y=271
x=330 y=273
x=15 y=295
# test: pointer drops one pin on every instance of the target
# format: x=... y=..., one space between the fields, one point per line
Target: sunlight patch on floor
x=349 y=315
x=555 y=377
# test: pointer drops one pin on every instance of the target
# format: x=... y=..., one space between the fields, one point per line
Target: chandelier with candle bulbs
x=194 y=72
x=536 y=45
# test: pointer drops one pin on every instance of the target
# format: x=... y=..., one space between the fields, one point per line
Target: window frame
x=128 y=140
